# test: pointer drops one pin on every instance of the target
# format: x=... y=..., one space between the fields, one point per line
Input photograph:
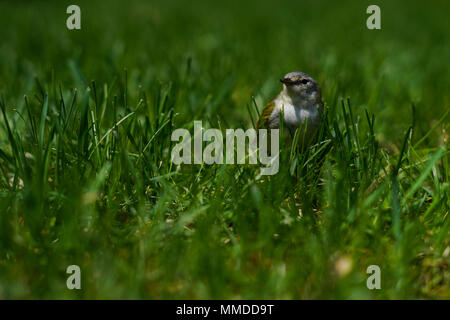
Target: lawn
x=86 y=176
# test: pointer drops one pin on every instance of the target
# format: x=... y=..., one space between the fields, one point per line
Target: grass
x=86 y=176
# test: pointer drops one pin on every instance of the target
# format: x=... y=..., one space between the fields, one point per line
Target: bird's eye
x=304 y=81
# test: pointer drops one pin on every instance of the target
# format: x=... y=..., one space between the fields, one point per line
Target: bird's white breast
x=295 y=114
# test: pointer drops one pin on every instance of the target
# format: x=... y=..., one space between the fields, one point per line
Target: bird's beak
x=286 y=81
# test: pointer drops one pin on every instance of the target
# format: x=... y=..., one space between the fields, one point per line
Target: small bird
x=300 y=101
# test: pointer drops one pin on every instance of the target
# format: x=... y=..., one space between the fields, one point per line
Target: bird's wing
x=265 y=115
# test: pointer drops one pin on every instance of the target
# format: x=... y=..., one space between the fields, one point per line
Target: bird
x=300 y=100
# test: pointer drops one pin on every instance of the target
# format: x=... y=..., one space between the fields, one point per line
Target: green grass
x=85 y=146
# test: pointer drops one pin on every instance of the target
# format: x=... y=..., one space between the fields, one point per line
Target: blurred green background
x=240 y=48
x=188 y=235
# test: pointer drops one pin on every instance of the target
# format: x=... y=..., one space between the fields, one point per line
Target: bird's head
x=300 y=85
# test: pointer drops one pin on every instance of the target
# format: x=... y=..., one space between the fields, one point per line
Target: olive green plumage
x=265 y=115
